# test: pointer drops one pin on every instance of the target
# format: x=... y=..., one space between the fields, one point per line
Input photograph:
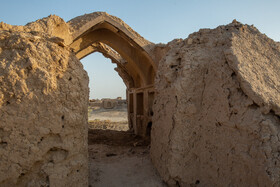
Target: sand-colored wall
x=43 y=108
x=216 y=109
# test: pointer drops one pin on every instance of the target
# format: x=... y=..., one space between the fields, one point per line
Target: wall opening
x=139 y=112
x=107 y=101
x=130 y=110
x=148 y=129
x=125 y=48
x=151 y=96
x=108 y=144
x=117 y=41
x=140 y=104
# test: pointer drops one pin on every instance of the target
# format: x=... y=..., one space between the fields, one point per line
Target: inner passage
x=116 y=156
x=107 y=108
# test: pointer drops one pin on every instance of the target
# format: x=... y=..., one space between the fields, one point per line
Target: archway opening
x=107 y=98
x=113 y=152
x=110 y=35
x=116 y=40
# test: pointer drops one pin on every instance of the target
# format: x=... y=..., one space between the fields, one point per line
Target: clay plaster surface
x=216 y=107
x=43 y=108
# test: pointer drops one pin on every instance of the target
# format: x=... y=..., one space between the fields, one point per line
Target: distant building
x=107 y=103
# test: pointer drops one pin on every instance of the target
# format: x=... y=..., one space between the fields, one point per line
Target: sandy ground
x=118 y=114
x=109 y=125
x=112 y=119
x=120 y=159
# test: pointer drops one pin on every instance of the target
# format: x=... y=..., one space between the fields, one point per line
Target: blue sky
x=159 y=21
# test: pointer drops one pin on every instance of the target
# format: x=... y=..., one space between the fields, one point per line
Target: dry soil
x=119 y=158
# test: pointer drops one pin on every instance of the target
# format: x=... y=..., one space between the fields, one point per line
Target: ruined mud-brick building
x=107 y=103
x=212 y=101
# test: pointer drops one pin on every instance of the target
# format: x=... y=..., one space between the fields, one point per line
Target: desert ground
x=117 y=157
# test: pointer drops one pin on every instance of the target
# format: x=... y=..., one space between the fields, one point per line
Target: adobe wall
x=217 y=106
x=43 y=108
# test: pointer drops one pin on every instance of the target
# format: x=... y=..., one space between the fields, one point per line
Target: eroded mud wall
x=216 y=112
x=43 y=108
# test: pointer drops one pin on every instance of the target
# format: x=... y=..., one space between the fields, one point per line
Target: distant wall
x=108 y=103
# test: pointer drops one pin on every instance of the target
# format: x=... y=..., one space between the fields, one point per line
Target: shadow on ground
x=116 y=138
x=120 y=158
